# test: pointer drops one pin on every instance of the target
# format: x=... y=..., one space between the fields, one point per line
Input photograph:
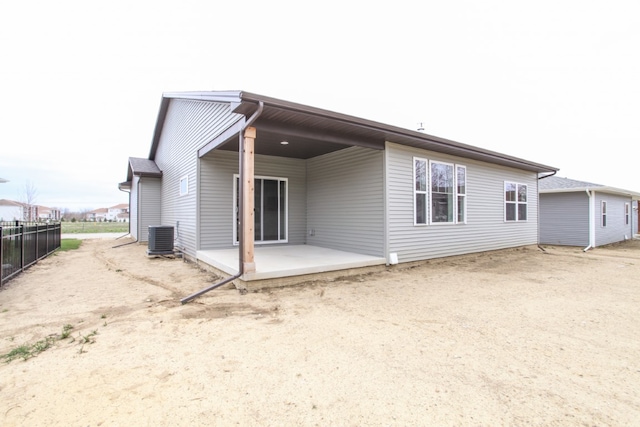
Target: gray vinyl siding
x=616 y=229
x=216 y=199
x=345 y=201
x=149 y=204
x=485 y=228
x=188 y=126
x=564 y=219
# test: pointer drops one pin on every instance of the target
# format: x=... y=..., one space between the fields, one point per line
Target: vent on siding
x=160 y=240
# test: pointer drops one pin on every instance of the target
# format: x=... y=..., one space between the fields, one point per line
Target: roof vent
x=160 y=240
x=420 y=127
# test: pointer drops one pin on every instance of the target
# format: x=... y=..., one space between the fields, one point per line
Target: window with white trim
x=515 y=201
x=420 y=191
x=626 y=213
x=603 y=210
x=439 y=195
x=184 y=185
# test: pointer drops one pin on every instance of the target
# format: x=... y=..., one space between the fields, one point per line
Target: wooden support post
x=248 y=219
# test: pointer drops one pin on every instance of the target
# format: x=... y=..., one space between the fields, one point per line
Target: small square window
x=184 y=185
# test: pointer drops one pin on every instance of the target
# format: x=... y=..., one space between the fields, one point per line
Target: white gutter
x=592 y=220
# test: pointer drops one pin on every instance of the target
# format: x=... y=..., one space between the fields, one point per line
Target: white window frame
x=236 y=177
x=428 y=196
x=626 y=213
x=515 y=202
x=184 y=191
x=425 y=192
x=603 y=213
x=463 y=195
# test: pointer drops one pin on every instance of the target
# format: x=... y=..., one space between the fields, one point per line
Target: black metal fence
x=24 y=243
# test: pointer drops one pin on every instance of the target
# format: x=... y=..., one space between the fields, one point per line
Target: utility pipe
x=248 y=123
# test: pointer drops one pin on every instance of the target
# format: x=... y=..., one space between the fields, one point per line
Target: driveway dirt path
x=520 y=337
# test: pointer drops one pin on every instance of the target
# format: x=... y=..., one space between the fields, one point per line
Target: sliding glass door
x=270 y=219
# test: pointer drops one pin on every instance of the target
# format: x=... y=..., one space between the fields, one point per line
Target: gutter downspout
x=591 y=220
x=129 y=233
x=240 y=213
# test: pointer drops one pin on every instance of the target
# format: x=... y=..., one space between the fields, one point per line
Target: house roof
x=7 y=202
x=140 y=167
x=556 y=184
x=120 y=206
x=317 y=131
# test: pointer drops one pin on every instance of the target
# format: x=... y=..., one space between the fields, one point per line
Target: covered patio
x=273 y=262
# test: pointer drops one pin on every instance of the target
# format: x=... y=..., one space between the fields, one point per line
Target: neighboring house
x=11 y=210
x=122 y=217
x=119 y=213
x=326 y=186
x=99 y=214
x=44 y=213
x=579 y=213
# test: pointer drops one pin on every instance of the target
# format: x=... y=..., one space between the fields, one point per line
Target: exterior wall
x=149 y=202
x=485 y=228
x=345 y=201
x=11 y=213
x=188 y=126
x=564 y=219
x=217 y=200
x=616 y=229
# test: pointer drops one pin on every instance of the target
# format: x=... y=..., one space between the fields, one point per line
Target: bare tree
x=29 y=201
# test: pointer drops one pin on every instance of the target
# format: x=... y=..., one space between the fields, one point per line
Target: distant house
x=119 y=213
x=45 y=213
x=263 y=188
x=579 y=213
x=2 y=180
x=99 y=214
x=10 y=210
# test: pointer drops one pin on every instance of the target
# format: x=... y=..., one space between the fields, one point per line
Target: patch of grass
x=69 y=244
x=88 y=339
x=94 y=227
x=27 y=351
x=66 y=331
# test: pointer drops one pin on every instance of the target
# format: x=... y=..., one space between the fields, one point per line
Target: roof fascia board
x=162 y=115
x=223 y=96
x=391 y=131
x=599 y=189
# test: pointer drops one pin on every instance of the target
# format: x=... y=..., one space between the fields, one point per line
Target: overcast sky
x=555 y=82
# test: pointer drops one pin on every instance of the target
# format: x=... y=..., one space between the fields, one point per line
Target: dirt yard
x=520 y=337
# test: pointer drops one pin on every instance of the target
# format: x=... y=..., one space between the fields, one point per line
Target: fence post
x=1 y=255
x=21 y=247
